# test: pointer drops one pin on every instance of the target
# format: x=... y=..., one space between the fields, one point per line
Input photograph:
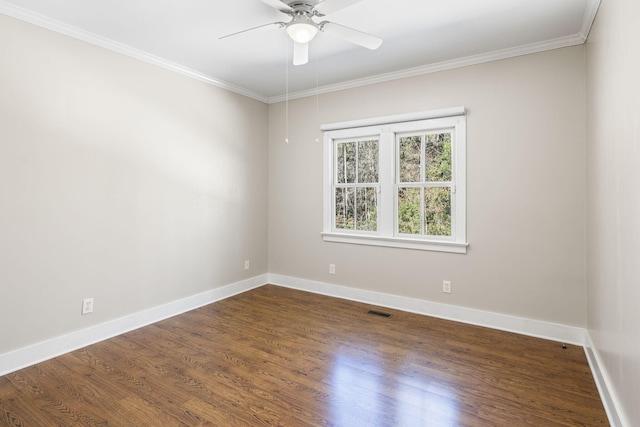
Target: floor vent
x=378 y=313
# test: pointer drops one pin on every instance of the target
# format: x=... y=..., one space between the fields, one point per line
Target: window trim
x=385 y=130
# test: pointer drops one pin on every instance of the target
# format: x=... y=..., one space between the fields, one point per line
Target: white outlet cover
x=446 y=286
x=87 y=305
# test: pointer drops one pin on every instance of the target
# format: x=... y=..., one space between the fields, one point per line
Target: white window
x=397 y=181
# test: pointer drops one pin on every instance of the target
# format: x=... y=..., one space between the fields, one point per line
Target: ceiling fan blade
x=300 y=53
x=282 y=7
x=329 y=6
x=278 y=24
x=351 y=35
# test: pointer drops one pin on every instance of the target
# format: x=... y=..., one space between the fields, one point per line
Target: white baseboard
x=27 y=356
x=607 y=393
x=520 y=325
x=504 y=322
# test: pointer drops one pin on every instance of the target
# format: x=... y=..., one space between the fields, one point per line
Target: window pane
x=409 y=162
x=368 y=161
x=438 y=157
x=340 y=163
x=346 y=162
x=367 y=209
x=344 y=208
x=409 y=210
x=437 y=211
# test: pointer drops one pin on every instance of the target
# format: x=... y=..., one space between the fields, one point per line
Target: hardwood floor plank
x=279 y=357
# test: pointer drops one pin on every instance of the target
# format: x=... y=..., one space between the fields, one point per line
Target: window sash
x=342 y=180
x=422 y=183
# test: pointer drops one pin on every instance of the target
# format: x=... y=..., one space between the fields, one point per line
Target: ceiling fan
x=302 y=28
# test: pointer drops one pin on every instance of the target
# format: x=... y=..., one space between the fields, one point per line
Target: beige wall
x=526 y=189
x=119 y=181
x=613 y=256
x=136 y=186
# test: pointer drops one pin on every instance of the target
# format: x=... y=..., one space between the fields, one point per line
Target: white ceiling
x=420 y=36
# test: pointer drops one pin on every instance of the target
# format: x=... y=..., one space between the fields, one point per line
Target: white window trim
x=385 y=128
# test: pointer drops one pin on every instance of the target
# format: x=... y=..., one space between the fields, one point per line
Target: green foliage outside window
x=424 y=206
x=356 y=204
x=424 y=159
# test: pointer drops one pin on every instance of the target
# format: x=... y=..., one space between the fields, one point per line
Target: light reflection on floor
x=361 y=395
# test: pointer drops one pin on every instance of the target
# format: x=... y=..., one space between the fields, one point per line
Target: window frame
x=386 y=130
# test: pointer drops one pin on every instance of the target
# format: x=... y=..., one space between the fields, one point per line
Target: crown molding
x=496 y=55
x=77 y=33
x=57 y=26
x=590 y=13
x=589 y=16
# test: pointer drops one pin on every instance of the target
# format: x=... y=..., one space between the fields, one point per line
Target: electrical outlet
x=246 y=265
x=87 y=305
x=446 y=286
x=332 y=269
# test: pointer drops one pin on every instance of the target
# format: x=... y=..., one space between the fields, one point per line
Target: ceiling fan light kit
x=302 y=28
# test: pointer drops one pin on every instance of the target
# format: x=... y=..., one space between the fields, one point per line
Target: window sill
x=397 y=242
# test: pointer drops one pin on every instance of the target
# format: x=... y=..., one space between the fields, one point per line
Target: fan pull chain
x=317 y=98
x=286 y=97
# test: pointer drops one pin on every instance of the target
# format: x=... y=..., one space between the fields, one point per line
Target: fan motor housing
x=303 y=7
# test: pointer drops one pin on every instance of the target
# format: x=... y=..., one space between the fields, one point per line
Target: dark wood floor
x=279 y=357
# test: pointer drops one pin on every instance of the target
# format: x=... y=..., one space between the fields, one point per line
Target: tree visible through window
x=356 y=202
x=397 y=181
x=424 y=184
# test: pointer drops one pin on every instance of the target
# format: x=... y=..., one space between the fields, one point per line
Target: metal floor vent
x=379 y=313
